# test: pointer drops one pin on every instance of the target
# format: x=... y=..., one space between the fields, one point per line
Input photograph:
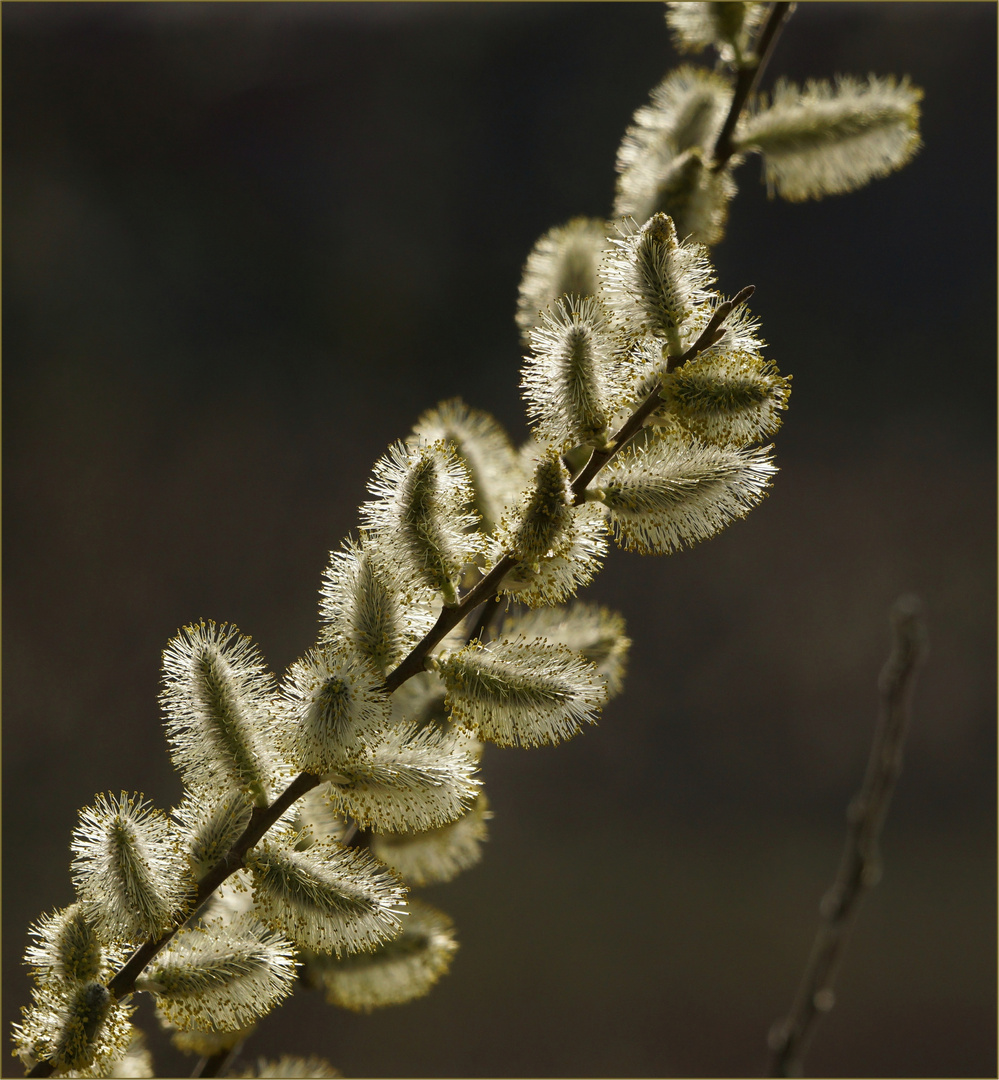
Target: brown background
x=246 y=245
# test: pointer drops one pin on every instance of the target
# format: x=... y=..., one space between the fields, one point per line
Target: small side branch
x=631 y=427
x=860 y=867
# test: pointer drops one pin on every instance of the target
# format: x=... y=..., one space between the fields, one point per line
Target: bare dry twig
x=860 y=866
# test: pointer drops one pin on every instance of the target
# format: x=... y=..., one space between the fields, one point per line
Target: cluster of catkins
x=648 y=398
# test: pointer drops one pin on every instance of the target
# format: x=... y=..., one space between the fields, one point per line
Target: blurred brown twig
x=860 y=866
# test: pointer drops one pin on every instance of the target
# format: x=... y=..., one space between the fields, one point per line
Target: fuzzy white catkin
x=130 y=869
x=541 y=525
x=221 y=976
x=330 y=708
x=563 y=262
x=664 y=162
x=557 y=577
x=519 y=692
x=420 y=524
x=435 y=856
x=402 y=970
x=328 y=898
x=676 y=492
x=596 y=633
x=728 y=27
x=78 y=1027
x=408 y=780
x=364 y=612
x=576 y=376
x=483 y=447
x=216 y=699
x=829 y=138
x=65 y=947
x=654 y=283
x=211 y=826
x=728 y=398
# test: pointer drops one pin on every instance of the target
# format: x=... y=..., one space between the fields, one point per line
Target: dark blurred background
x=245 y=245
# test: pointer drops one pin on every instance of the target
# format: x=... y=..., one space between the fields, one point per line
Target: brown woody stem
x=746 y=81
x=630 y=428
x=860 y=867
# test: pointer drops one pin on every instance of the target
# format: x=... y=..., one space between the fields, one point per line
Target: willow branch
x=860 y=867
x=747 y=79
x=485 y=590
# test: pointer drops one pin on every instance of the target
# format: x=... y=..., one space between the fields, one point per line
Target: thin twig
x=860 y=867
x=746 y=81
x=448 y=619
